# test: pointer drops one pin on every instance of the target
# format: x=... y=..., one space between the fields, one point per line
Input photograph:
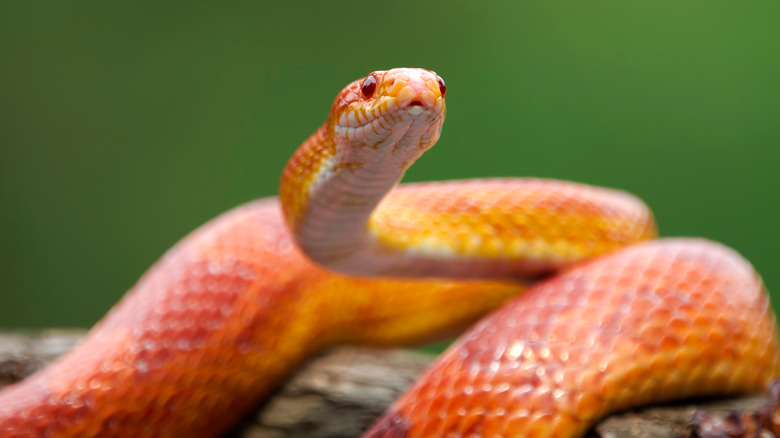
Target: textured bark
x=340 y=393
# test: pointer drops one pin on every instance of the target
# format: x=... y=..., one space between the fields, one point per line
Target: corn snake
x=225 y=314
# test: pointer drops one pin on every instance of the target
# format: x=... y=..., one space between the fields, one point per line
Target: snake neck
x=377 y=127
x=329 y=190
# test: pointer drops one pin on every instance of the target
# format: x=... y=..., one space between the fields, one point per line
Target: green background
x=125 y=126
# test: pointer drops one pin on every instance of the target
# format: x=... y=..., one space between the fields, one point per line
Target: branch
x=340 y=393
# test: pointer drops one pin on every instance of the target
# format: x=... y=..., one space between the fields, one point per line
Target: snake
x=588 y=311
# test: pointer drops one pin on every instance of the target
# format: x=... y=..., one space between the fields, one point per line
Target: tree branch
x=340 y=393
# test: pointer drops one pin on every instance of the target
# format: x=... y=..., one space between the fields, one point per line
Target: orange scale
x=612 y=317
x=718 y=336
x=497 y=401
x=626 y=281
x=560 y=353
x=612 y=383
x=564 y=332
x=565 y=400
x=755 y=348
x=447 y=427
x=651 y=333
x=715 y=310
x=549 y=313
x=508 y=372
x=155 y=357
x=470 y=423
x=540 y=399
x=458 y=403
x=113 y=421
x=425 y=392
x=565 y=376
x=710 y=354
x=669 y=342
x=460 y=379
x=123 y=378
x=636 y=371
x=437 y=406
x=214 y=378
x=517 y=424
x=35 y=427
x=689 y=309
x=566 y=426
x=634 y=320
x=673 y=384
x=584 y=332
x=677 y=326
x=694 y=337
x=660 y=313
x=649 y=388
x=735 y=328
x=703 y=322
x=698 y=375
x=540 y=426
x=720 y=374
x=493 y=427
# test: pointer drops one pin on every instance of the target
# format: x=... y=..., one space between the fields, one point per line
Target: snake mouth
x=390 y=115
x=389 y=110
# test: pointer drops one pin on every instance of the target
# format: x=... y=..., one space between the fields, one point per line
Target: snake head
x=399 y=110
x=377 y=127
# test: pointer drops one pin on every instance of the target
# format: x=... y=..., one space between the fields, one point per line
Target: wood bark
x=340 y=393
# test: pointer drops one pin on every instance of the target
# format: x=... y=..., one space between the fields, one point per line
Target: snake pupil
x=442 y=87
x=368 y=87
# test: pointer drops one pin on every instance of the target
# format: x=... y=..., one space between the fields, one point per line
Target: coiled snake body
x=233 y=308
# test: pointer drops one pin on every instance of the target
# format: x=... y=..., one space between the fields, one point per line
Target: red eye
x=442 y=87
x=369 y=87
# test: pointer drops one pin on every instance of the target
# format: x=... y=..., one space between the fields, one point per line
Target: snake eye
x=442 y=87
x=369 y=87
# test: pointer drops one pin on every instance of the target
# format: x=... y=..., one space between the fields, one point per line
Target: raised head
x=400 y=111
x=377 y=127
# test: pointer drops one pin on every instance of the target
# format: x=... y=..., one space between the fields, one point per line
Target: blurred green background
x=123 y=126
